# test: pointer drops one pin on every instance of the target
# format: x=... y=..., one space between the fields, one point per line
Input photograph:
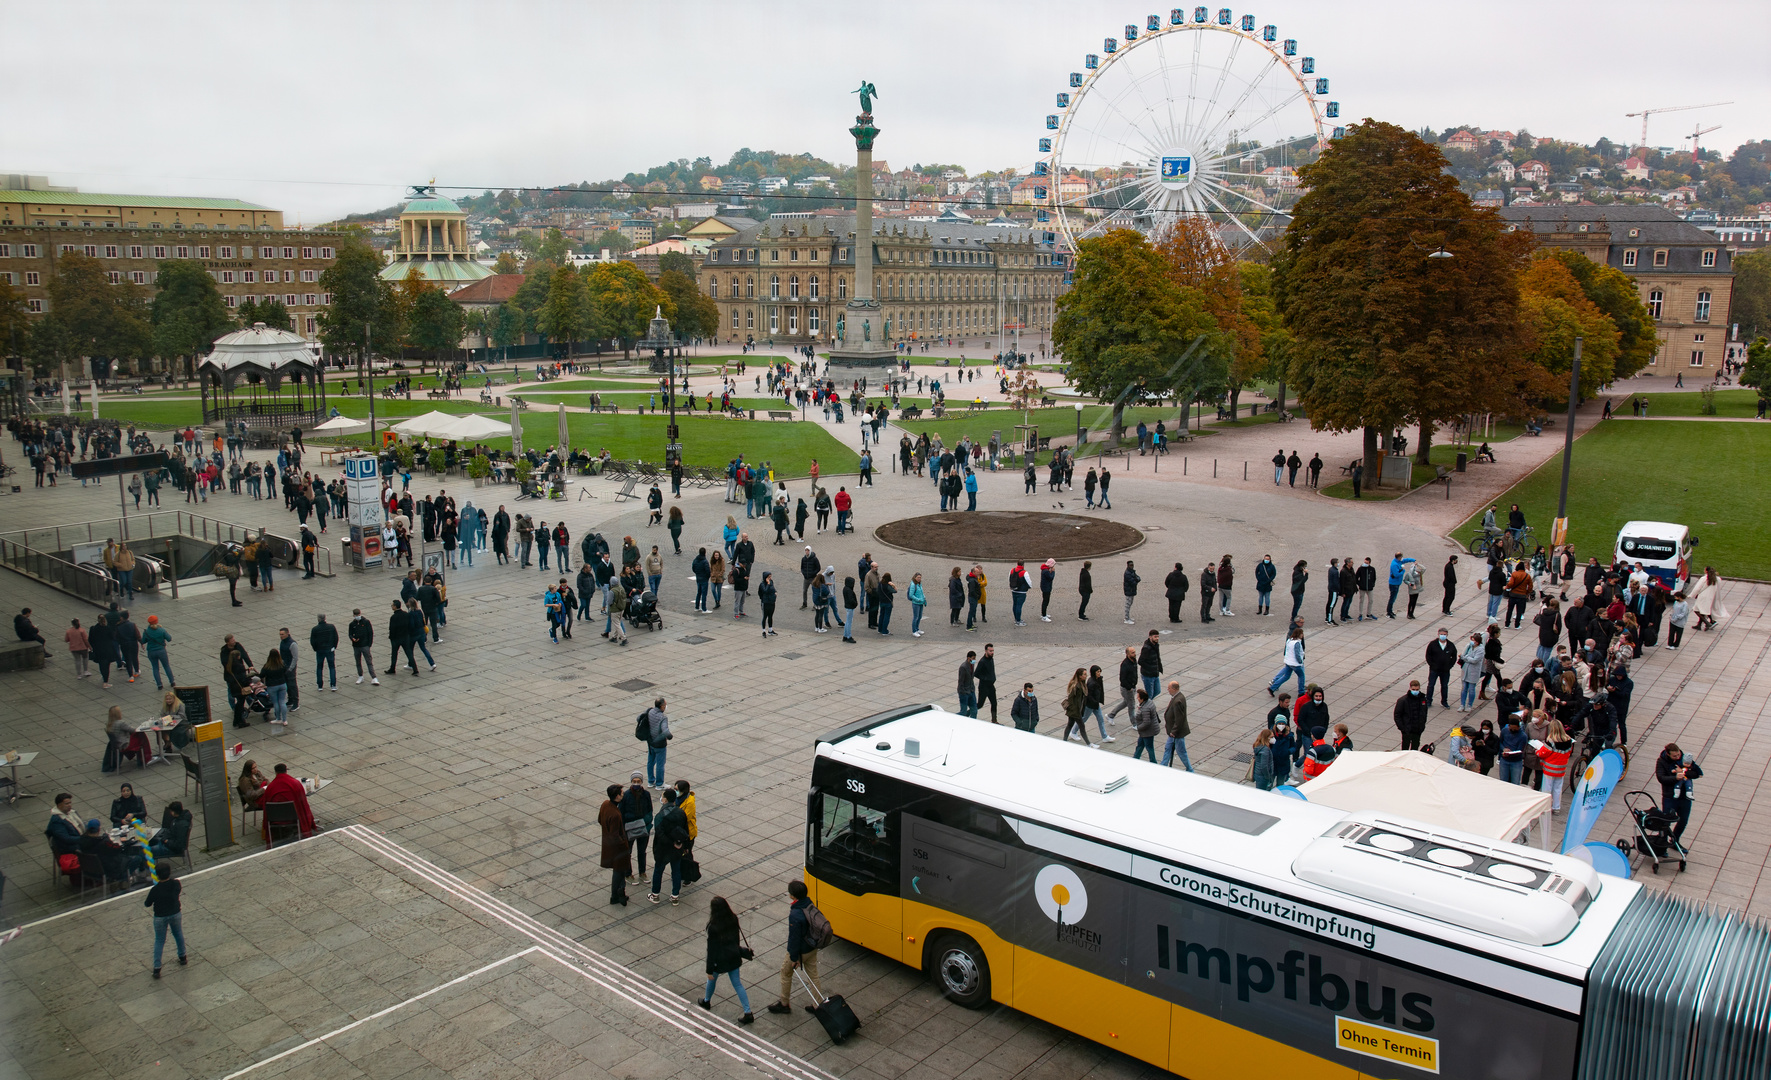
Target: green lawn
x=1059 y=421
x=1708 y=477
x=1736 y=403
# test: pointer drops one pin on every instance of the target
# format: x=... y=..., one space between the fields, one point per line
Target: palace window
x=1696 y=357
x=812 y=320
x=1656 y=300
x=750 y=288
x=1660 y=257
x=792 y=290
x=750 y=318
x=774 y=286
x=793 y=320
x=33 y=278
x=774 y=320
x=713 y=287
x=1703 y=307
x=734 y=318
x=35 y=307
x=140 y=277
x=115 y=277
x=250 y=277
x=842 y=288
x=1709 y=257
x=813 y=286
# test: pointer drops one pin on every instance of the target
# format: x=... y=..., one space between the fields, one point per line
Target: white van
x=1663 y=549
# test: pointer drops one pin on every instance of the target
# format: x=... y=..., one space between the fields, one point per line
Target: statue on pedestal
x=868 y=93
x=839 y=329
x=866 y=329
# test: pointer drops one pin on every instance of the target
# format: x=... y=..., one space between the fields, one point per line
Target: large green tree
x=565 y=314
x=1757 y=372
x=1752 y=293
x=1383 y=333
x=94 y=319
x=362 y=315
x=695 y=315
x=1614 y=293
x=677 y=261
x=270 y=311
x=437 y=324
x=187 y=312
x=1127 y=327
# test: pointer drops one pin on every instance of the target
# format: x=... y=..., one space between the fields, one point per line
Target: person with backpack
x=807 y=932
x=653 y=728
x=1320 y=754
x=670 y=839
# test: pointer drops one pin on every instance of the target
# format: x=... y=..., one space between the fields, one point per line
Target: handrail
x=89 y=585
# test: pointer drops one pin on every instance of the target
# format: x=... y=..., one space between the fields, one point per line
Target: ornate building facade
x=787 y=279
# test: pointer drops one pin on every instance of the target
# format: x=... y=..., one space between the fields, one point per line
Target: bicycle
x=1480 y=545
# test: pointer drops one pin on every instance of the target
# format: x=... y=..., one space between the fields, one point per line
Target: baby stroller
x=643 y=611
x=1654 y=831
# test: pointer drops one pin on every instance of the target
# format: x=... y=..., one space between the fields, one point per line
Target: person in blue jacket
x=1397 y=568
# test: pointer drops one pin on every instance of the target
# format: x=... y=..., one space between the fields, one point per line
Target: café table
x=22 y=758
x=161 y=726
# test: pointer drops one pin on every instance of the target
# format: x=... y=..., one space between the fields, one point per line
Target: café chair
x=281 y=817
x=92 y=869
x=192 y=773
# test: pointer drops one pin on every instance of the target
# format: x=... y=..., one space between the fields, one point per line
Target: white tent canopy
x=473 y=427
x=433 y=424
x=1414 y=785
x=341 y=425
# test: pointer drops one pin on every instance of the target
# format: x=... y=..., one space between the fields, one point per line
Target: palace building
x=788 y=278
x=243 y=246
x=1684 y=275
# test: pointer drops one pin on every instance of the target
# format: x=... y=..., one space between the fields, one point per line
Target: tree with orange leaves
x=1197 y=258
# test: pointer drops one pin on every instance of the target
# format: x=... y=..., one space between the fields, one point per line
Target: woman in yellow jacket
x=685 y=801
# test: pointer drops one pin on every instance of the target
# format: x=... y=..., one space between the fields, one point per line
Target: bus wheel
x=961 y=969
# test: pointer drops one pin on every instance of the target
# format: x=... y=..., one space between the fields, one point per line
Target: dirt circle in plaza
x=1010 y=534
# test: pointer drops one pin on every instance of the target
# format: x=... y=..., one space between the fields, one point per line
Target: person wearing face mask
x=1441 y=658
x=1410 y=715
x=1284 y=751
x=1264 y=573
x=1513 y=746
x=1535 y=684
x=1471 y=662
x=1549 y=629
x=1486 y=745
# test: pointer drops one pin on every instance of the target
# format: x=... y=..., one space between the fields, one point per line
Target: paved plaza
x=451 y=920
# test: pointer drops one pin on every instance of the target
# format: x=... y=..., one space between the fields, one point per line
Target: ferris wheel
x=1185 y=117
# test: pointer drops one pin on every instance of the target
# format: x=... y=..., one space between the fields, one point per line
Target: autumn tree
x=621 y=303
x=1555 y=311
x=1127 y=326
x=506 y=263
x=1757 y=372
x=1197 y=259
x=1613 y=292
x=1383 y=332
x=15 y=324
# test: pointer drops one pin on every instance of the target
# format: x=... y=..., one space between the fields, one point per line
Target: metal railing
x=30 y=551
x=89 y=585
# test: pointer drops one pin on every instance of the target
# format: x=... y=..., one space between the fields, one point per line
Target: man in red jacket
x=844 y=503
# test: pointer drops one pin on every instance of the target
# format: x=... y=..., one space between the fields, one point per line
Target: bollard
x=1245 y=470
x=1183 y=465
x=1214 y=468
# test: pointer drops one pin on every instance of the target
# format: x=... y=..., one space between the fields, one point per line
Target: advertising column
x=362 y=490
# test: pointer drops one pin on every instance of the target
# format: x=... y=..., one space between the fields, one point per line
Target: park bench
x=910 y=413
x=1442 y=475
x=1180 y=436
x=775 y=414
x=1047 y=402
x=605 y=408
x=435 y=394
x=1347 y=469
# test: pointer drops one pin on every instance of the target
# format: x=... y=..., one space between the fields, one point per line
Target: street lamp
x=658 y=339
x=1079 y=427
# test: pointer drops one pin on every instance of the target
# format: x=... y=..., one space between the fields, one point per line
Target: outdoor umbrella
x=565 y=439
x=341 y=425
x=516 y=430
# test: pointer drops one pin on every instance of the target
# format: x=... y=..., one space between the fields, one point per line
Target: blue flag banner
x=1590 y=797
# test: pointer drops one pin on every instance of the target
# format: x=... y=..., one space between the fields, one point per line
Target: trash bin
x=1463 y=459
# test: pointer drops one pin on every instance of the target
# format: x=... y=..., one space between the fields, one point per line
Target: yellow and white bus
x=1222 y=932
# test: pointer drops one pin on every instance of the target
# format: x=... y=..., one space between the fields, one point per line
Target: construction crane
x=1700 y=133
x=1646 y=113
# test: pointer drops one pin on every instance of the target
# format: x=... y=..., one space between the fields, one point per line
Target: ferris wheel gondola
x=1189 y=116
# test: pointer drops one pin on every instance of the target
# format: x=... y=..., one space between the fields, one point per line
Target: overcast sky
x=322 y=108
